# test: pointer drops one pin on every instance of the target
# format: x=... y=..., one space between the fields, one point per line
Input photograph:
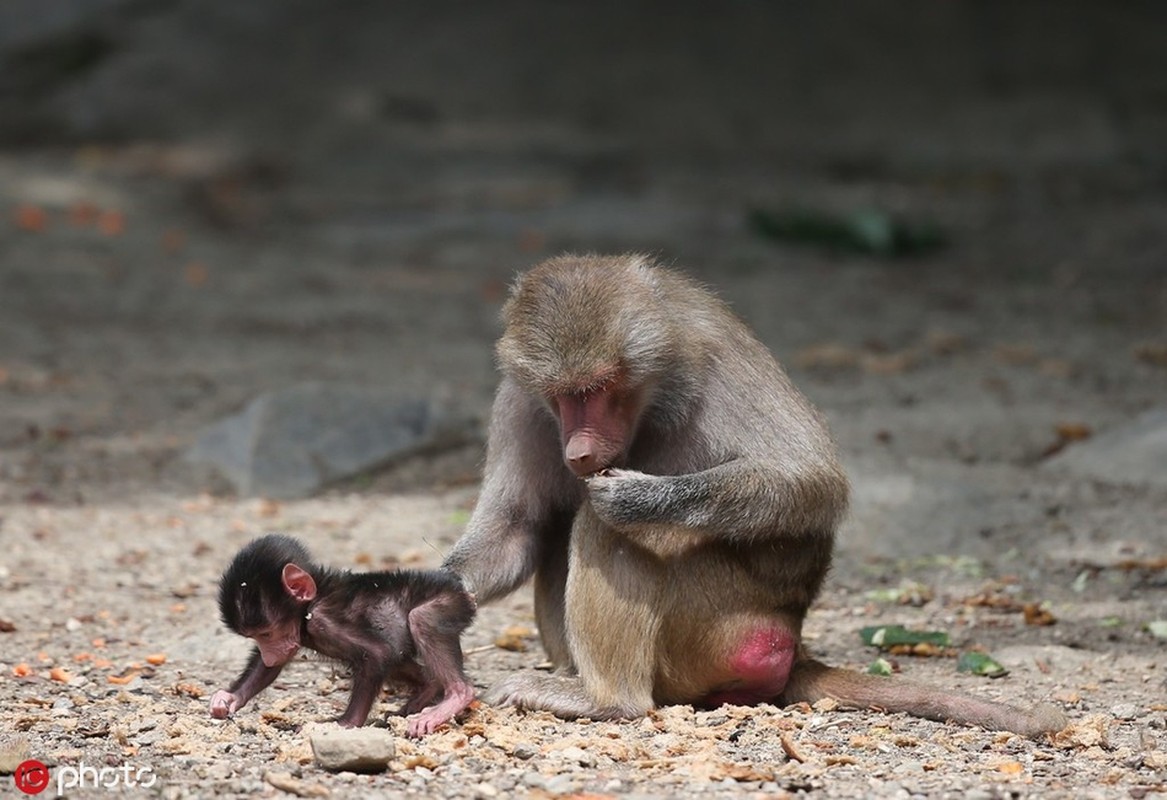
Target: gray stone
x=354 y=750
x=534 y=780
x=524 y=751
x=1132 y=453
x=149 y=738
x=560 y=784
x=923 y=506
x=578 y=755
x=1125 y=711
x=292 y=442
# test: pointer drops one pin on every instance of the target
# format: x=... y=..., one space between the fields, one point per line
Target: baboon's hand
x=626 y=498
x=224 y=704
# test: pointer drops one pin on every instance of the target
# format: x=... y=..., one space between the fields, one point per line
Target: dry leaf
x=1010 y=767
x=922 y=650
x=179 y=746
x=991 y=598
x=1153 y=353
x=286 y=783
x=1084 y=733
x=1056 y=368
x=1152 y=564
x=420 y=760
x=413 y=556
x=31 y=218
x=195 y=274
x=743 y=773
x=124 y=678
x=173 y=240
x=1073 y=431
x=791 y=751
x=266 y=507
x=890 y=363
x=1036 y=614
x=828 y=355
x=514 y=638
x=112 y=223
x=280 y=722
x=60 y=675
x=1155 y=759
x=944 y=343
x=82 y=214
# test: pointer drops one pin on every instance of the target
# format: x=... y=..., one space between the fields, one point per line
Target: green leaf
x=1158 y=628
x=885 y=636
x=869 y=231
x=880 y=666
x=889 y=595
x=976 y=663
x=908 y=593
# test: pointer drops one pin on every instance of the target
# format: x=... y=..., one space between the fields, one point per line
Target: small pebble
x=524 y=751
x=219 y=771
x=578 y=755
x=1125 y=711
x=149 y=738
x=560 y=784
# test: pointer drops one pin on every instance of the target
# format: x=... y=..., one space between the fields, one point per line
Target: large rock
x=921 y=506
x=352 y=749
x=292 y=442
x=1131 y=453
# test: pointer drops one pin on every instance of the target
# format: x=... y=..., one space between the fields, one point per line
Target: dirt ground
x=200 y=202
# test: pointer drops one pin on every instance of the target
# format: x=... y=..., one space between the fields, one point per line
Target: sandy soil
x=209 y=213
